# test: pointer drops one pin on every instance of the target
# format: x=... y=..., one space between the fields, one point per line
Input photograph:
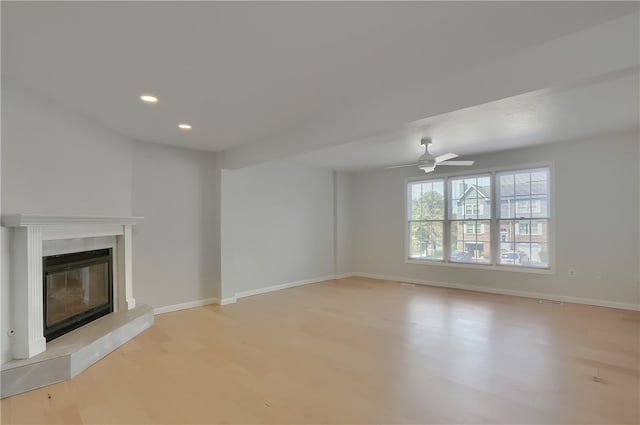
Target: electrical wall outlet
x=572 y=272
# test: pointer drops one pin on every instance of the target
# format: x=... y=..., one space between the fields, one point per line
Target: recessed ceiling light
x=184 y=126
x=148 y=98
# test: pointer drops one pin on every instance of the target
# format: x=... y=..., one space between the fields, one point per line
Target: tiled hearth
x=37 y=363
x=70 y=354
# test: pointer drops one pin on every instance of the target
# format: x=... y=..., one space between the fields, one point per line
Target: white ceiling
x=244 y=71
x=609 y=105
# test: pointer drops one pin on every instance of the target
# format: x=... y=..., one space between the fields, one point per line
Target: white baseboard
x=225 y=301
x=500 y=291
x=182 y=306
x=273 y=288
x=343 y=275
x=485 y=289
x=231 y=300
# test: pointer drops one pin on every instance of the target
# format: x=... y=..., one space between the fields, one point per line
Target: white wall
x=596 y=214
x=277 y=226
x=176 y=248
x=343 y=208
x=57 y=162
x=6 y=295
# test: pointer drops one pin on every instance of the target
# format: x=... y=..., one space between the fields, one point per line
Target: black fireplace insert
x=78 y=288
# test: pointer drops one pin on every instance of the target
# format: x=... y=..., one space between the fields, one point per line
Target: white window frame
x=409 y=220
x=495 y=234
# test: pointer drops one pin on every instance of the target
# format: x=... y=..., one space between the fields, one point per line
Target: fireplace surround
x=38 y=240
x=32 y=236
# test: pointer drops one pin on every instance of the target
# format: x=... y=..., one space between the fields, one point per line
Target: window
x=494 y=219
x=469 y=215
x=528 y=191
x=426 y=220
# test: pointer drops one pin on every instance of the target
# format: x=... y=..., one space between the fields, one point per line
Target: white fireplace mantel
x=29 y=233
x=23 y=220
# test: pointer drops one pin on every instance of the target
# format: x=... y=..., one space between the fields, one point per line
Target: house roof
x=483 y=191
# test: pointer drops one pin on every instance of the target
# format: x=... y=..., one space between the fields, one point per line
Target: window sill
x=488 y=267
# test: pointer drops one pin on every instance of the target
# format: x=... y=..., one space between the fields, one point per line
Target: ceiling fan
x=428 y=162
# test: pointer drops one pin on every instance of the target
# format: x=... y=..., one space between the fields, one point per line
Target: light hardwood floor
x=361 y=351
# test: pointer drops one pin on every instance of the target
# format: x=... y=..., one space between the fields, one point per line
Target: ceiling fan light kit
x=428 y=162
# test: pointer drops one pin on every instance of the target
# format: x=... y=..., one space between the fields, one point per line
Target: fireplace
x=77 y=289
x=37 y=236
x=95 y=280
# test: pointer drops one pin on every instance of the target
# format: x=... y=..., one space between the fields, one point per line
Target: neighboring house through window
x=527 y=207
x=474 y=228
x=469 y=215
x=529 y=228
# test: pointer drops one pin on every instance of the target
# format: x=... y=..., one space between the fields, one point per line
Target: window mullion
x=446 y=249
x=494 y=236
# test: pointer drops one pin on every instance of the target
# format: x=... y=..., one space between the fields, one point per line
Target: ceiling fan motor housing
x=427 y=168
x=426 y=162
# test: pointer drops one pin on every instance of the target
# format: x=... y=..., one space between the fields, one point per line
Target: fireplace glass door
x=78 y=288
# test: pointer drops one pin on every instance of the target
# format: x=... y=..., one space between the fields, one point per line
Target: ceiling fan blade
x=457 y=163
x=400 y=166
x=445 y=157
